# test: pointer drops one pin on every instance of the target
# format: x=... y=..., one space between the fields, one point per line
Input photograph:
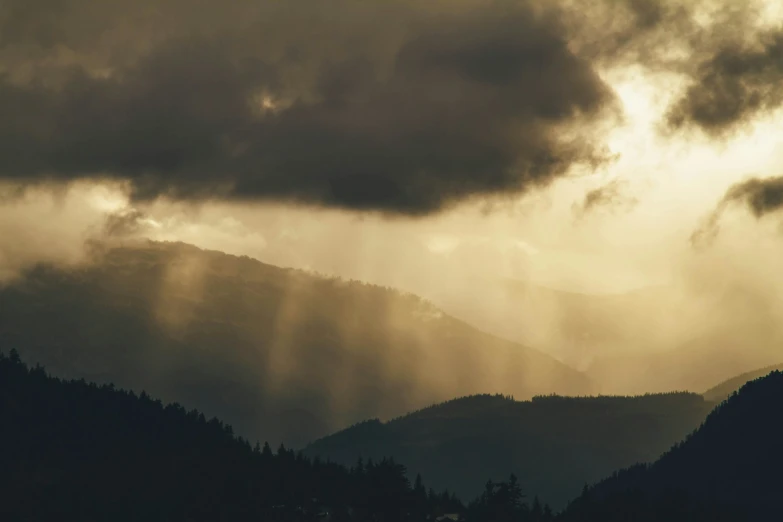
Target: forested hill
x=729 y=470
x=280 y=354
x=70 y=450
x=554 y=444
x=77 y=451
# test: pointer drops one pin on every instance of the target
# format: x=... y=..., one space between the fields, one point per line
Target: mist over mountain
x=695 y=366
x=575 y=327
x=729 y=469
x=553 y=444
x=280 y=354
x=654 y=339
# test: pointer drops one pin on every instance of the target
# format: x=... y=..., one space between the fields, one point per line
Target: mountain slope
x=695 y=365
x=76 y=451
x=724 y=390
x=280 y=354
x=574 y=326
x=553 y=444
x=729 y=469
x=655 y=339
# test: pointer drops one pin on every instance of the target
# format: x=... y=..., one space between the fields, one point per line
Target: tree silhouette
x=70 y=450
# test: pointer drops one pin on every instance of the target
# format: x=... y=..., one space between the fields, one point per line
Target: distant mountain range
x=74 y=450
x=575 y=327
x=280 y=354
x=555 y=445
x=655 y=339
x=285 y=355
x=695 y=365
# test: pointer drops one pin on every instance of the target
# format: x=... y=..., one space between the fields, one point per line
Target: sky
x=596 y=147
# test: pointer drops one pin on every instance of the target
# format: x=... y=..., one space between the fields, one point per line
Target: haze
x=503 y=159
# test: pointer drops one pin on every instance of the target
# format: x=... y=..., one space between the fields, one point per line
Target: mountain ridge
x=249 y=341
x=455 y=442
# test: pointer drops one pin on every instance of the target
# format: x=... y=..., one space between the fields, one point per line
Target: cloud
x=632 y=32
x=389 y=106
x=48 y=225
x=760 y=196
x=124 y=223
x=734 y=85
x=611 y=195
x=728 y=52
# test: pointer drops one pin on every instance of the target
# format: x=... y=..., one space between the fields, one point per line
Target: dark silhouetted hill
x=74 y=451
x=281 y=354
x=553 y=444
x=730 y=469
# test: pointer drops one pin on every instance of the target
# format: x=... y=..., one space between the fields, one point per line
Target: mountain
x=694 y=365
x=727 y=470
x=70 y=450
x=655 y=339
x=574 y=327
x=553 y=444
x=724 y=390
x=280 y=354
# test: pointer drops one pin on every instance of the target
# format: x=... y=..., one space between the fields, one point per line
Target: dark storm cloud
x=293 y=103
x=631 y=32
x=732 y=65
x=734 y=85
x=760 y=196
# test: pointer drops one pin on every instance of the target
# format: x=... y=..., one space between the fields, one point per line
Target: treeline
x=554 y=397
x=72 y=450
x=76 y=451
x=553 y=444
x=458 y=404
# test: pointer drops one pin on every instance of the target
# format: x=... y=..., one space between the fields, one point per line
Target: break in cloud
x=727 y=51
x=760 y=196
x=399 y=106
